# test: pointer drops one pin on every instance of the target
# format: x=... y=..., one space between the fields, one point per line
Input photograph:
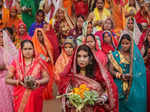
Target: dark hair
x=91 y=66
x=146 y=43
x=80 y=16
x=146 y=50
x=125 y=36
x=93 y=36
x=131 y=18
x=10 y=30
x=26 y=41
x=40 y=11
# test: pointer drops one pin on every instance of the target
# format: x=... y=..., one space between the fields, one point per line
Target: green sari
x=134 y=100
x=28 y=18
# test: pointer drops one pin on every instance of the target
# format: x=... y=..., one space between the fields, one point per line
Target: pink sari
x=102 y=79
x=6 y=91
x=27 y=100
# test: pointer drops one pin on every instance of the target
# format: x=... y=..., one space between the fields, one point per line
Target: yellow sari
x=101 y=16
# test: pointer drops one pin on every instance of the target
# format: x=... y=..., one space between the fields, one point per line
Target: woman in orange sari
x=28 y=74
x=14 y=20
x=65 y=56
x=44 y=48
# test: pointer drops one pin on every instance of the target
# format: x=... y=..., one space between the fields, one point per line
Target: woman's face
x=40 y=17
x=107 y=38
x=28 y=50
x=108 y=25
x=13 y=12
x=22 y=29
x=125 y=45
x=89 y=28
x=82 y=59
x=132 y=2
x=1 y=39
x=45 y=27
x=68 y=49
x=91 y=42
x=60 y=14
x=40 y=36
x=80 y=22
x=130 y=24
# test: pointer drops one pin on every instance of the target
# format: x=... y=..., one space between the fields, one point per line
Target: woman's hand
x=126 y=77
x=2 y=67
x=100 y=101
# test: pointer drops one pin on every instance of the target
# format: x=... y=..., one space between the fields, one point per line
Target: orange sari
x=68 y=5
x=61 y=62
x=5 y=17
x=14 y=22
x=45 y=51
x=118 y=15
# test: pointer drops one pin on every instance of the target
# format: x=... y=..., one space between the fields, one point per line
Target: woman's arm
x=9 y=78
x=111 y=69
x=45 y=78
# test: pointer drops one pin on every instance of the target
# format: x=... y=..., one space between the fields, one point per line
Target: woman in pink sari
x=88 y=70
x=28 y=74
x=92 y=43
x=7 y=53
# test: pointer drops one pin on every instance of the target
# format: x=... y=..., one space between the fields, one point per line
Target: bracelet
x=118 y=75
x=105 y=97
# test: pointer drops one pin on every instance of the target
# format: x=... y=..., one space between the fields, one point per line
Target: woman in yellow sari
x=44 y=48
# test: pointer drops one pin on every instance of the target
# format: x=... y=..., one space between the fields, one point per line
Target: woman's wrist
x=118 y=75
x=37 y=83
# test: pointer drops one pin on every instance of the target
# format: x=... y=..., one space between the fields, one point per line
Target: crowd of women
x=104 y=44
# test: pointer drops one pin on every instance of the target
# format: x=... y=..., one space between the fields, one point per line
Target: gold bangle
x=118 y=75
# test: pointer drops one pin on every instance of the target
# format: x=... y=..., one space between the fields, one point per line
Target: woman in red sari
x=92 y=43
x=22 y=32
x=45 y=49
x=147 y=64
x=28 y=74
x=108 y=44
x=88 y=70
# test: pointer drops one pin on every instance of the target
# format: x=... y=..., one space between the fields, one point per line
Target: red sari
x=25 y=36
x=148 y=84
x=142 y=39
x=54 y=41
x=27 y=100
x=106 y=48
x=81 y=7
x=102 y=79
x=45 y=51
